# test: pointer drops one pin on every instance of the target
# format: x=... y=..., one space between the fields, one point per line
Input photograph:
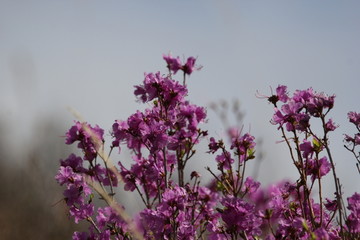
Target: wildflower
x=353 y=220
x=307 y=149
x=90 y=138
x=330 y=126
x=189 y=67
x=73 y=161
x=250 y=186
x=240 y=216
x=331 y=205
x=354 y=118
x=317 y=168
x=82 y=211
x=173 y=64
x=281 y=93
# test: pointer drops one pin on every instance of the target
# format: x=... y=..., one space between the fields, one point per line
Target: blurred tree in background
x=31 y=205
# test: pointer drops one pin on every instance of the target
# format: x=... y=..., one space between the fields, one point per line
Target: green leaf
x=317 y=145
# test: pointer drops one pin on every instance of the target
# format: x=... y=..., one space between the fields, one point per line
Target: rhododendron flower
x=318 y=102
x=331 y=205
x=250 y=186
x=73 y=161
x=317 y=168
x=189 y=67
x=213 y=145
x=353 y=220
x=80 y=236
x=67 y=175
x=330 y=126
x=354 y=140
x=174 y=64
x=354 y=118
x=176 y=204
x=240 y=216
x=281 y=93
x=307 y=149
x=90 y=138
x=83 y=211
x=225 y=160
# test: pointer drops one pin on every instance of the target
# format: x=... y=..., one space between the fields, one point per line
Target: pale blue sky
x=89 y=54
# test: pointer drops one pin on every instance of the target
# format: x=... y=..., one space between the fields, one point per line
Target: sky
x=88 y=55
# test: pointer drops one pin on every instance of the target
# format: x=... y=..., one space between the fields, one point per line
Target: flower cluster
x=174 y=64
x=353 y=220
x=90 y=138
x=353 y=142
x=77 y=190
x=183 y=213
x=296 y=111
x=163 y=138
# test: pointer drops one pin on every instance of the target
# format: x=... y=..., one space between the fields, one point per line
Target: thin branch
x=116 y=207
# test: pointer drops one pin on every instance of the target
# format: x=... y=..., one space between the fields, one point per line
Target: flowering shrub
x=162 y=140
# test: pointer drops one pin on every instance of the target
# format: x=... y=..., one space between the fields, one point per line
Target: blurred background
x=88 y=55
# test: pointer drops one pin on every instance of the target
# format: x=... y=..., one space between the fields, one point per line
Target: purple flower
x=302 y=121
x=81 y=212
x=303 y=96
x=154 y=135
x=353 y=220
x=162 y=138
x=353 y=223
x=317 y=168
x=243 y=147
x=224 y=160
x=293 y=228
x=354 y=140
x=279 y=198
x=189 y=67
x=250 y=186
x=354 y=118
x=318 y=102
x=67 y=175
x=307 y=149
x=150 y=88
x=90 y=138
x=76 y=163
x=146 y=173
x=187 y=230
x=180 y=213
x=278 y=117
x=240 y=216
x=331 y=205
x=167 y=91
x=80 y=236
x=175 y=198
x=281 y=93
x=174 y=64
x=354 y=203
x=73 y=195
x=357 y=139
x=108 y=219
x=291 y=108
x=109 y=178
x=213 y=145
x=155 y=224
x=291 y=116
x=330 y=126
x=205 y=195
